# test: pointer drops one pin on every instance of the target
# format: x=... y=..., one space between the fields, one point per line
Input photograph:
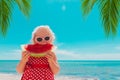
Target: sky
x=77 y=37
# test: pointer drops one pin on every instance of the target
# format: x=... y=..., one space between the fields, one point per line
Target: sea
x=70 y=70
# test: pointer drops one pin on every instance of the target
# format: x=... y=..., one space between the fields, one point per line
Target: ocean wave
x=10 y=76
x=5 y=76
x=75 y=78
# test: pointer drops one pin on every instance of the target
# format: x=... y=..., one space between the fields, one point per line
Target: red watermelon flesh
x=37 y=48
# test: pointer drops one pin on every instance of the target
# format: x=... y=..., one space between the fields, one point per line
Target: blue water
x=103 y=70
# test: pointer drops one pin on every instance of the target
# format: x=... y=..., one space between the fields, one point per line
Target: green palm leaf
x=5 y=15
x=109 y=10
x=24 y=6
x=6 y=12
x=87 y=6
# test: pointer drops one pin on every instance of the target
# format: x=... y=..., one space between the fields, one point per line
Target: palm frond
x=110 y=14
x=5 y=15
x=24 y=6
x=87 y=6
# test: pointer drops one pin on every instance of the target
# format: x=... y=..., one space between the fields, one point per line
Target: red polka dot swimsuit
x=37 y=69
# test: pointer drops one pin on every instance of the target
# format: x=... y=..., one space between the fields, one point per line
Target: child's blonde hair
x=42 y=27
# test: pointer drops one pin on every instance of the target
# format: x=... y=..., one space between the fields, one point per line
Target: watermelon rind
x=37 y=54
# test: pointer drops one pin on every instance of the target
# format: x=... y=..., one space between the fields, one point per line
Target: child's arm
x=53 y=62
x=20 y=67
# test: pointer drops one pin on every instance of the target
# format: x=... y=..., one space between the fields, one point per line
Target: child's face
x=43 y=37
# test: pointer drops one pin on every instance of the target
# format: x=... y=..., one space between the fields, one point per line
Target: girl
x=39 y=68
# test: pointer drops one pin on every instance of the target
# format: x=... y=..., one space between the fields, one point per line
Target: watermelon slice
x=37 y=50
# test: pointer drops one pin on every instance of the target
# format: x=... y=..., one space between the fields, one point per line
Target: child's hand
x=52 y=60
x=50 y=56
x=25 y=56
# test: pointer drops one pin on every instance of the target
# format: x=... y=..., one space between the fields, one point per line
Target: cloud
x=63 y=52
x=117 y=47
x=74 y=55
x=10 y=55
